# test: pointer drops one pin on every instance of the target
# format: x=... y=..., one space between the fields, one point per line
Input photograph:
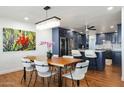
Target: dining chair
x=91 y=55
x=66 y=56
x=79 y=73
x=43 y=71
x=55 y=55
x=76 y=53
x=29 y=67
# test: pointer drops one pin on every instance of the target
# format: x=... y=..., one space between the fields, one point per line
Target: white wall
x=122 y=43
x=10 y=61
x=44 y=35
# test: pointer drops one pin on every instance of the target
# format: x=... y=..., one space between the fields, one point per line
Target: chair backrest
x=41 y=66
x=55 y=55
x=75 y=53
x=67 y=56
x=26 y=63
x=81 y=68
x=90 y=53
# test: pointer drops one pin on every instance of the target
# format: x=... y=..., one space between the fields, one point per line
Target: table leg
x=24 y=74
x=60 y=78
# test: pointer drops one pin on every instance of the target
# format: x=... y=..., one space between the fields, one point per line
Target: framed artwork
x=18 y=40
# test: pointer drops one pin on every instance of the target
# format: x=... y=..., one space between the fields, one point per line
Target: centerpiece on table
x=49 y=45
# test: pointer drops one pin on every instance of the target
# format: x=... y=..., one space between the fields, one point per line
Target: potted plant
x=49 y=54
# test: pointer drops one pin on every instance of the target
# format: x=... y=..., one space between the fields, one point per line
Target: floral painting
x=18 y=40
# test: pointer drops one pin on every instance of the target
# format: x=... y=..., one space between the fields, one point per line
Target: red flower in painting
x=23 y=40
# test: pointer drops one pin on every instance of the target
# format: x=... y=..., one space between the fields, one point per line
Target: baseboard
x=11 y=70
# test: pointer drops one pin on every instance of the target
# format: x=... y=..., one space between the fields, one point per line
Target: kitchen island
x=116 y=57
x=100 y=60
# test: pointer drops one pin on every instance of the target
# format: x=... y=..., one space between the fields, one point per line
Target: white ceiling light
x=110 y=8
x=111 y=27
x=48 y=22
x=26 y=18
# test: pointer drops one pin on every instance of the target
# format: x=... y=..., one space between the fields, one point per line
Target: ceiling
x=74 y=17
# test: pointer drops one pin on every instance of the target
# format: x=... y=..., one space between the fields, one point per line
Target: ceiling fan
x=87 y=28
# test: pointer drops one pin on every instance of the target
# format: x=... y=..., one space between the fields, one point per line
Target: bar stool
x=76 y=54
x=91 y=55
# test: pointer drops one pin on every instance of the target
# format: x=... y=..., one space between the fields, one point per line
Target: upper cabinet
x=65 y=40
x=113 y=37
x=84 y=40
x=108 y=36
x=100 y=38
x=76 y=38
x=63 y=32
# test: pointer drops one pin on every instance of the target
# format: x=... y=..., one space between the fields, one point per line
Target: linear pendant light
x=48 y=22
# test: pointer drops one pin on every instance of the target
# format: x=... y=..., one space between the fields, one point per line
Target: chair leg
x=72 y=82
x=35 y=79
x=30 y=78
x=86 y=81
x=78 y=83
x=43 y=80
x=48 y=80
x=65 y=81
x=54 y=78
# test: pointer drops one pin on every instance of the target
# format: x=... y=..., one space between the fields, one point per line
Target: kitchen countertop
x=118 y=50
x=97 y=50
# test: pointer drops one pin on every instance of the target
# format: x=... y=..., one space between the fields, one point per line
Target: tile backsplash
x=109 y=46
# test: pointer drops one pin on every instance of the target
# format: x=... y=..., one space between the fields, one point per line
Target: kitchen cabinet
x=59 y=38
x=116 y=58
x=65 y=40
x=113 y=37
x=100 y=38
x=76 y=39
x=100 y=60
x=84 y=41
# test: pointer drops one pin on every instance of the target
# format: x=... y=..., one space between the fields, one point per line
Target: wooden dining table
x=59 y=62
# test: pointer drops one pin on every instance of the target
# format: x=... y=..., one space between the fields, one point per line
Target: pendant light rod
x=46 y=14
x=46 y=8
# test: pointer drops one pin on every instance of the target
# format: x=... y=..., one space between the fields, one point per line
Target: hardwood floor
x=111 y=77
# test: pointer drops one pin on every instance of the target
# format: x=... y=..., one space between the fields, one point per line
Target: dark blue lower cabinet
x=97 y=63
x=100 y=60
x=116 y=58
